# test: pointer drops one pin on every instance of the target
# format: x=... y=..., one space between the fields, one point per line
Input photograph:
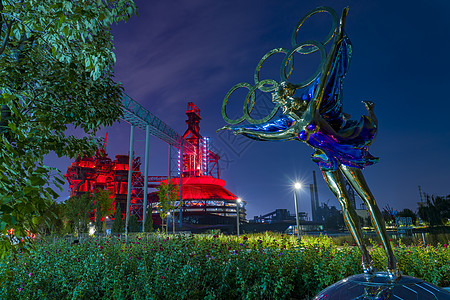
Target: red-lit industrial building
x=206 y=203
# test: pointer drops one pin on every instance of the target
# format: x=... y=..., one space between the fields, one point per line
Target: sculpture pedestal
x=379 y=287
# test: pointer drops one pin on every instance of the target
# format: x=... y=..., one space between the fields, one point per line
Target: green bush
x=117 y=226
x=263 y=266
x=133 y=224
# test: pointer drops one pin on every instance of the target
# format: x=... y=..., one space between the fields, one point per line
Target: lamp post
x=167 y=225
x=297 y=186
x=238 y=206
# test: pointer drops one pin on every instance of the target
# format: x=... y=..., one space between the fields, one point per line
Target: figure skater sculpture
x=314 y=116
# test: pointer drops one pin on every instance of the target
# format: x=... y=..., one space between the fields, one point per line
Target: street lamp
x=297 y=186
x=238 y=206
x=167 y=225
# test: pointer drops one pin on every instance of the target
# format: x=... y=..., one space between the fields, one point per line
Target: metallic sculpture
x=312 y=113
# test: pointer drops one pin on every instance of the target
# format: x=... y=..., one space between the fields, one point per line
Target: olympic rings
x=326 y=9
x=262 y=61
x=249 y=102
x=251 y=94
x=288 y=58
x=269 y=85
x=224 y=104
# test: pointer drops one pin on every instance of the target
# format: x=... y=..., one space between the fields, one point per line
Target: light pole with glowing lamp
x=297 y=186
x=167 y=225
x=238 y=206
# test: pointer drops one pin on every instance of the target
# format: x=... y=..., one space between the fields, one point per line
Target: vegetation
x=134 y=225
x=117 y=226
x=98 y=218
x=148 y=225
x=436 y=210
x=262 y=266
x=168 y=197
x=56 y=69
x=407 y=213
x=78 y=210
x=54 y=220
x=106 y=202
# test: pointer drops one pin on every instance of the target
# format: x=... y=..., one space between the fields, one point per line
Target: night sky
x=196 y=50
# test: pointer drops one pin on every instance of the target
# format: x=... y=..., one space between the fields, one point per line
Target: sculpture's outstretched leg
x=336 y=184
x=357 y=181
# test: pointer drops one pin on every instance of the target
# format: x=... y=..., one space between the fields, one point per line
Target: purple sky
x=196 y=50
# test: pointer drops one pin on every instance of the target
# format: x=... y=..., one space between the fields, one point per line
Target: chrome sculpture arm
x=287 y=134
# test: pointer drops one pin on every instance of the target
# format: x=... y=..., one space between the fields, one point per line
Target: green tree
x=106 y=202
x=134 y=225
x=78 y=210
x=148 y=226
x=436 y=210
x=389 y=215
x=53 y=219
x=56 y=69
x=117 y=226
x=168 y=196
x=98 y=218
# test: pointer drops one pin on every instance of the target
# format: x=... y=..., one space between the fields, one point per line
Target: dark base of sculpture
x=379 y=287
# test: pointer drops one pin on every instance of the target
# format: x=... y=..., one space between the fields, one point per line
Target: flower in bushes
x=302 y=269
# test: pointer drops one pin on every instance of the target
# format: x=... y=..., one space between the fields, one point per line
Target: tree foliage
x=53 y=219
x=98 y=218
x=405 y=213
x=168 y=197
x=389 y=215
x=106 y=200
x=134 y=225
x=56 y=69
x=436 y=210
x=117 y=226
x=78 y=210
x=148 y=225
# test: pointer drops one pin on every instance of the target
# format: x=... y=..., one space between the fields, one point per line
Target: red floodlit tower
x=206 y=201
x=202 y=161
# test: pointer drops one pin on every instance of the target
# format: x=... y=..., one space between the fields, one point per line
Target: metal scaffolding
x=138 y=116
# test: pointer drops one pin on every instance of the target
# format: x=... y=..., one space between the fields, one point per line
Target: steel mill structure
x=86 y=174
x=205 y=202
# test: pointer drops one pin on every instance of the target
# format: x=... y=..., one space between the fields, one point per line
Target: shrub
x=257 y=266
x=134 y=225
x=117 y=226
